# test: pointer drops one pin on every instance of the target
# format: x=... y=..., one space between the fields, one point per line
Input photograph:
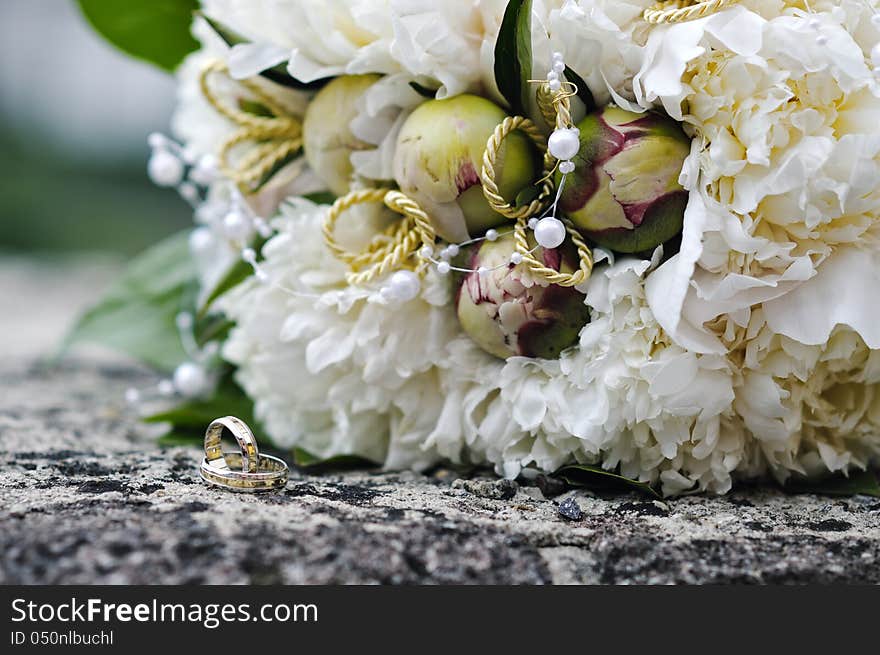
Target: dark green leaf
x=255 y=108
x=137 y=315
x=277 y=74
x=272 y=172
x=583 y=91
x=237 y=273
x=513 y=55
x=213 y=327
x=321 y=197
x=526 y=196
x=191 y=417
x=157 y=31
x=423 y=90
x=175 y=438
x=311 y=464
x=858 y=482
x=594 y=477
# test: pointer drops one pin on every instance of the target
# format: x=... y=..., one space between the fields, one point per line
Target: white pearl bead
x=453 y=249
x=550 y=232
x=132 y=396
x=566 y=167
x=249 y=255
x=205 y=171
x=190 y=155
x=814 y=23
x=443 y=268
x=190 y=379
x=164 y=168
x=552 y=75
x=875 y=55
x=404 y=285
x=188 y=191
x=533 y=223
x=563 y=143
x=426 y=252
x=157 y=140
x=261 y=275
x=821 y=40
x=554 y=85
x=516 y=258
x=557 y=56
x=201 y=240
x=237 y=226
x=445 y=254
x=491 y=235
x=184 y=321
x=559 y=66
x=263 y=228
x=482 y=271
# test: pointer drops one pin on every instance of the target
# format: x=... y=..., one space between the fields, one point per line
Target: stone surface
x=89 y=498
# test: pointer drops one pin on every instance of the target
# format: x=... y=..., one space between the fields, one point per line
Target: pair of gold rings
x=244 y=471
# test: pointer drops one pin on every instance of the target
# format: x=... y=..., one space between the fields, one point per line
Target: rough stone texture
x=89 y=498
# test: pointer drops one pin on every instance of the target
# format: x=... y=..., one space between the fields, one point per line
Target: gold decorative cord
x=398 y=246
x=490 y=157
x=273 y=138
x=391 y=250
x=551 y=275
x=555 y=107
x=679 y=11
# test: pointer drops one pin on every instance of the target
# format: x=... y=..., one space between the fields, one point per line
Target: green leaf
x=191 y=417
x=138 y=313
x=213 y=327
x=276 y=168
x=237 y=273
x=583 y=91
x=310 y=463
x=255 y=108
x=321 y=197
x=858 y=482
x=157 y=31
x=594 y=477
x=423 y=91
x=277 y=74
x=513 y=55
x=174 y=438
x=526 y=195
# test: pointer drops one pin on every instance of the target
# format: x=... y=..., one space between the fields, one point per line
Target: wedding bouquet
x=638 y=237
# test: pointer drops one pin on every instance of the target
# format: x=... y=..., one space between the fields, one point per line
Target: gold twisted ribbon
x=393 y=249
x=490 y=157
x=274 y=139
x=555 y=107
x=679 y=11
x=551 y=275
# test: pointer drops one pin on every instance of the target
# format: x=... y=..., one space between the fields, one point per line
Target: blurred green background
x=74 y=119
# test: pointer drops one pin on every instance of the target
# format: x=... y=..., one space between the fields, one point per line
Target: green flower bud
x=439 y=160
x=624 y=192
x=327 y=138
x=507 y=312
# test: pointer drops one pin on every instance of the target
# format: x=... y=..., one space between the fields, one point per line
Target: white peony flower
x=202 y=130
x=784 y=169
x=337 y=369
x=753 y=350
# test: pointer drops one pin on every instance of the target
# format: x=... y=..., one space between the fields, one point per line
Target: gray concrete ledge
x=87 y=497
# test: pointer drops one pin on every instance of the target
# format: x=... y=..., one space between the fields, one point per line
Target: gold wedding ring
x=247 y=443
x=244 y=471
